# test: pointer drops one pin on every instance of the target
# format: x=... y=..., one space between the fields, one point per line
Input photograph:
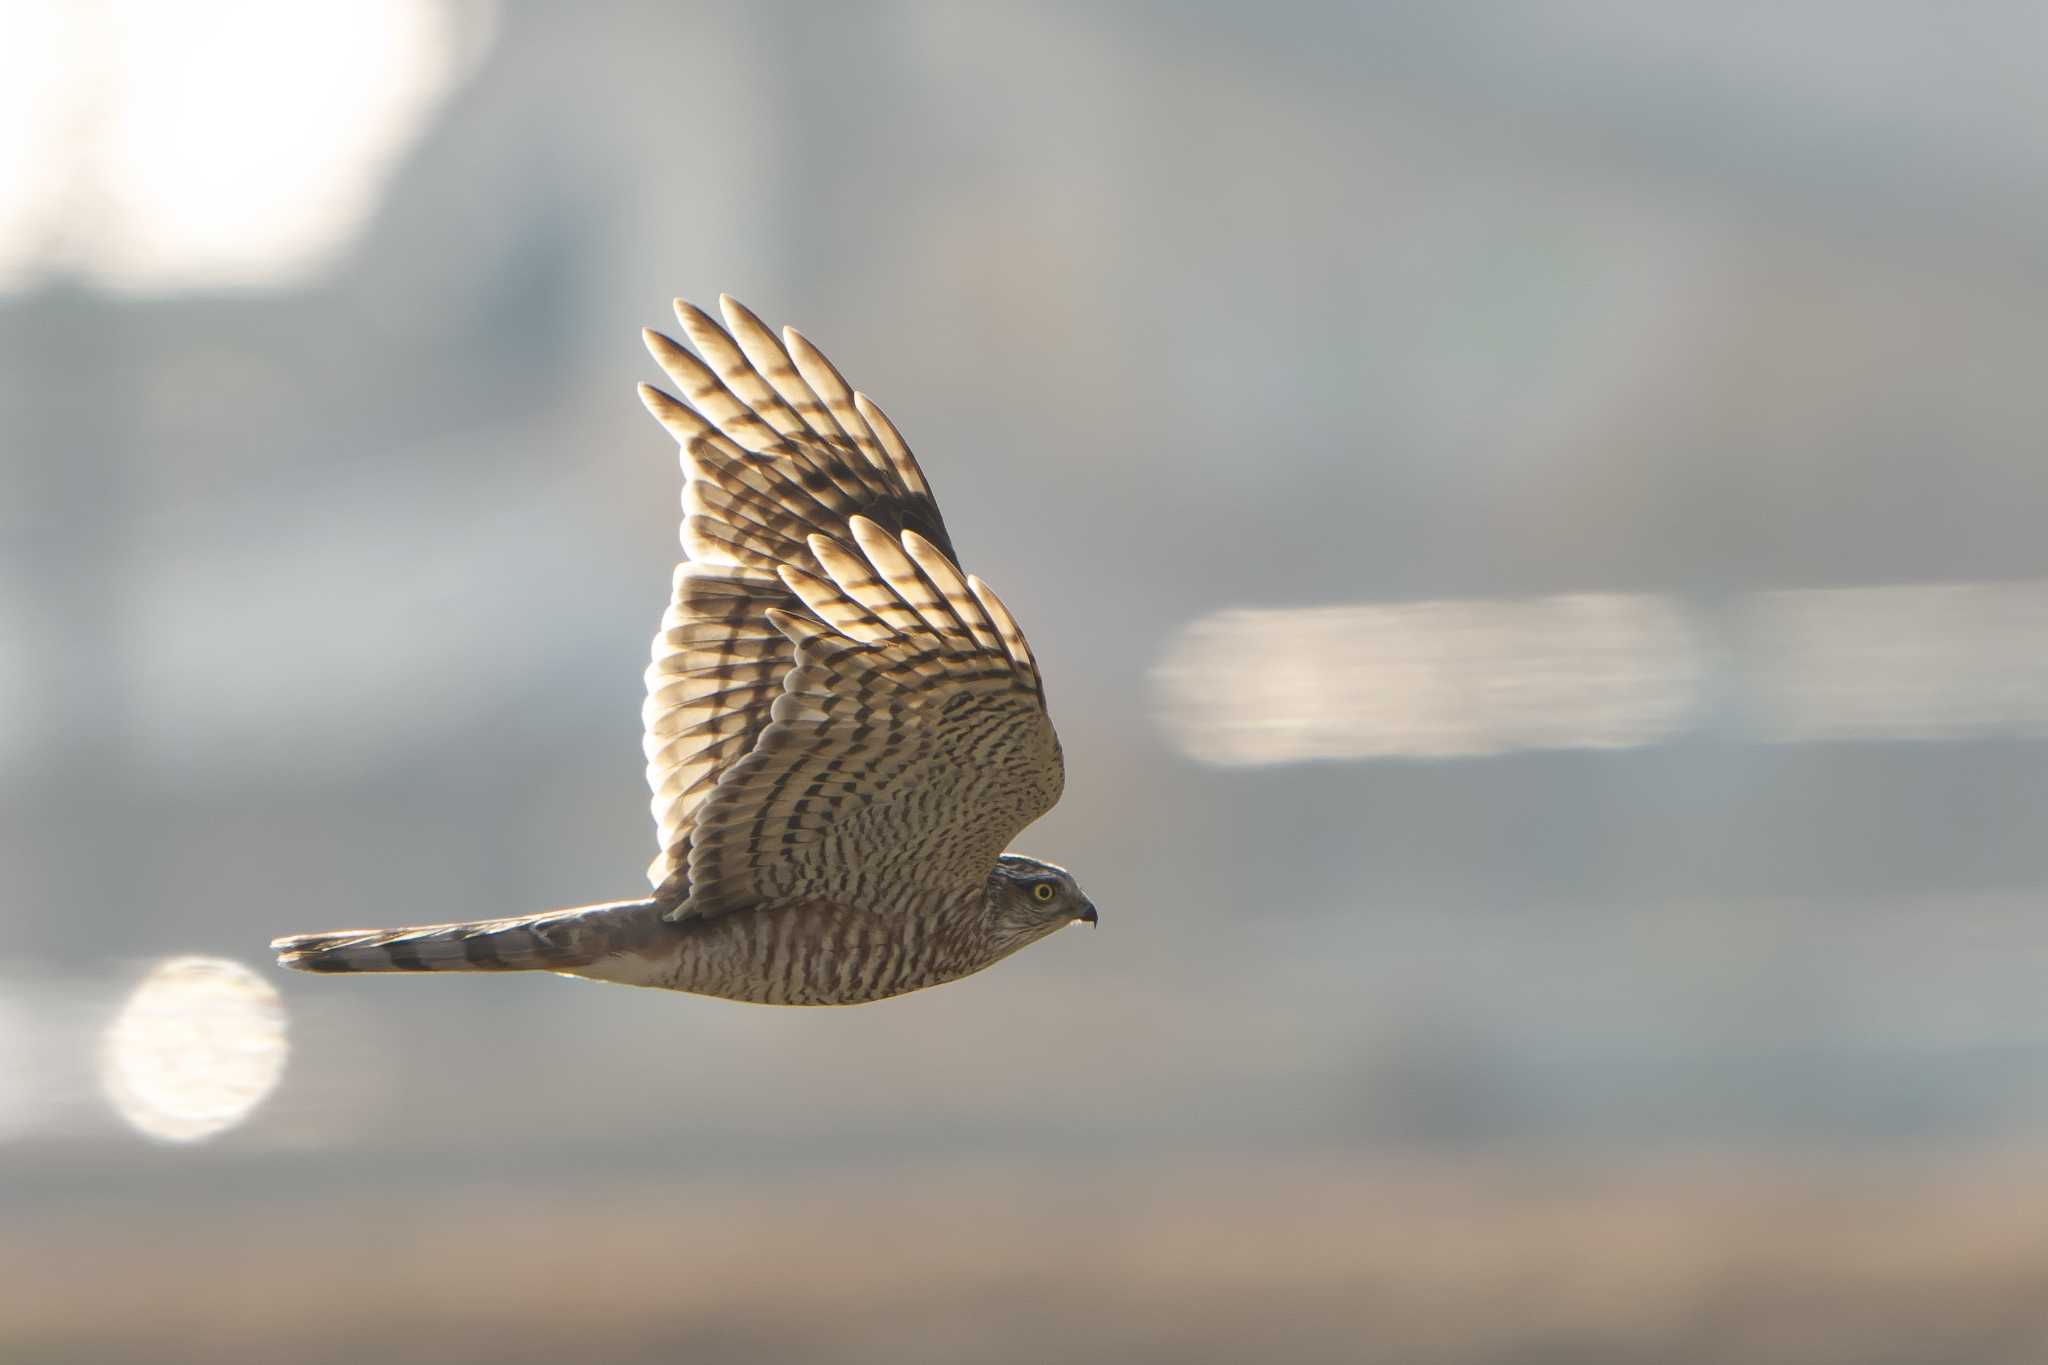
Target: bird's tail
x=551 y=941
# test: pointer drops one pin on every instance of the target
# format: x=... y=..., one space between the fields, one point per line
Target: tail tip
x=311 y=962
x=307 y=953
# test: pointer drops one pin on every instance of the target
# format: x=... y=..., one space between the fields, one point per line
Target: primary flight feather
x=843 y=730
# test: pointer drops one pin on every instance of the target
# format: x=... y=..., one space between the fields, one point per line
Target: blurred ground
x=1688 y=1262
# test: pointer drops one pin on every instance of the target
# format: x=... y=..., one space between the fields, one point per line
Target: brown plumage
x=843 y=730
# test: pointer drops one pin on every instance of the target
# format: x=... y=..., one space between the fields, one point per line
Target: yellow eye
x=1043 y=893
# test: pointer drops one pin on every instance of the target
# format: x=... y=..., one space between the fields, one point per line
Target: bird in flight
x=843 y=730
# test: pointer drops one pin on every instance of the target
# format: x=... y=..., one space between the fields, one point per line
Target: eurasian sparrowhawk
x=843 y=730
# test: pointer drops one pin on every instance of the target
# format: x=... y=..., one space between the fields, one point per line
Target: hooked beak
x=1087 y=915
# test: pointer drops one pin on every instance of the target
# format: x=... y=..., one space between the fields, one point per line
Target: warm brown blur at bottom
x=1679 y=1263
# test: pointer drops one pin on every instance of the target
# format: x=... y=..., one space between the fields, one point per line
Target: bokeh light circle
x=197 y=1045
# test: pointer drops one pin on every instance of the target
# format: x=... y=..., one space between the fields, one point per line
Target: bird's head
x=1028 y=899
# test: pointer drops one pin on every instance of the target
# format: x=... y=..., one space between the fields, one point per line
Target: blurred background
x=1532 y=520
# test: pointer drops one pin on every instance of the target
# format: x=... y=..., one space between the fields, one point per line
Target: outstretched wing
x=909 y=746
x=777 y=449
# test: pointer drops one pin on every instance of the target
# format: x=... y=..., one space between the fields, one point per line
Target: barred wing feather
x=819 y=560
x=909 y=746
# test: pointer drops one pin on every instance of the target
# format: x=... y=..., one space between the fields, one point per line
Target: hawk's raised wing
x=909 y=746
x=818 y=716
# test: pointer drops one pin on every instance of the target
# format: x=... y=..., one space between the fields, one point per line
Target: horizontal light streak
x=1915 y=661
x=1429 y=679
x=1443 y=679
